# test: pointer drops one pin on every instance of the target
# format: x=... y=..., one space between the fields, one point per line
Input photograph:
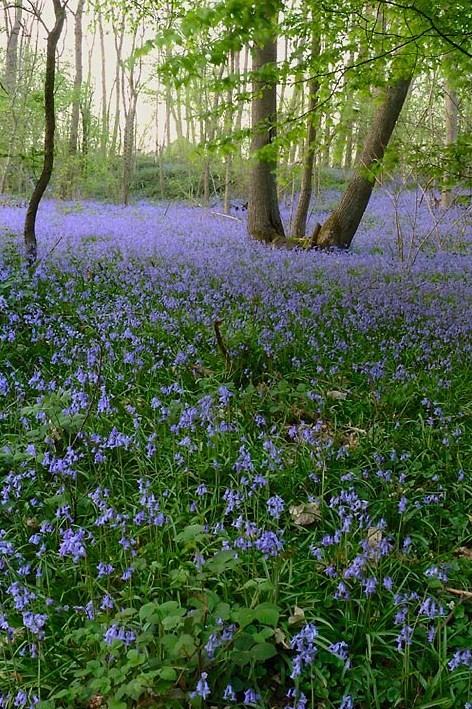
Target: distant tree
x=49 y=131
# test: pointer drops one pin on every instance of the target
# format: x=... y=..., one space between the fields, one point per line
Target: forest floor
x=233 y=475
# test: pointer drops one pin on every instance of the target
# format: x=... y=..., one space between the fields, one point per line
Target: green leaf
x=263 y=651
x=184 y=647
x=267 y=614
x=134 y=658
x=126 y=613
x=172 y=621
x=222 y=561
x=191 y=534
x=242 y=616
x=168 y=674
x=149 y=613
x=116 y=704
x=241 y=657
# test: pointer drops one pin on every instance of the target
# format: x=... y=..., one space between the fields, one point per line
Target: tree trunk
x=11 y=76
x=299 y=223
x=105 y=125
x=50 y=127
x=119 y=38
x=128 y=150
x=11 y=55
x=342 y=224
x=452 y=121
x=264 y=222
x=72 y=147
x=74 y=123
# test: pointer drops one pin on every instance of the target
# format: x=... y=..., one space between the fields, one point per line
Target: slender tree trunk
x=105 y=127
x=11 y=76
x=128 y=150
x=264 y=222
x=342 y=224
x=452 y=122
x=74 y=123
x=119 y=38
x=73 y=142
x=11 y=56
x=299 y=223
x=50 y=127
x=229 y=114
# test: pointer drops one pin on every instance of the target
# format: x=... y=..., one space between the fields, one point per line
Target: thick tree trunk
x=342 y=224
x=264 y=222
x=50 y=127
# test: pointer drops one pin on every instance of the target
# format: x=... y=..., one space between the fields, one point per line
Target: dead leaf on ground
x=337 y=395
x=281 y=639
x=305 y=514
x=465 y=552
x=374 y=537
x=297 y=617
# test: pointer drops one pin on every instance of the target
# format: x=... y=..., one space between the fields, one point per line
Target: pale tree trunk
x=73 y=142
x=78 y=36
x=264 y=222
x=229 y=114
x=299 y=223
x=129 y=105
x=128 y=150
x=11 y=56
x=11 y=77
x=243 y=83
x=119 y=38
x=342 y=224
x=50 y=127
x=211 y=119
x=452 y=122
x=105 y=126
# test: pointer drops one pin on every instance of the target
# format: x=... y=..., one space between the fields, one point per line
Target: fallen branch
x=220 y=342
x=459 y=592
x=227 y=216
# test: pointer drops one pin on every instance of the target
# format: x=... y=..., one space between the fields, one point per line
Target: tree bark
x=11 y=55
x=105 y=119
x=342 y=224
x=452 y=123
x=264 y=222
x=50 y=127
x=299 y=223
x=11 y=76
x=75 y=117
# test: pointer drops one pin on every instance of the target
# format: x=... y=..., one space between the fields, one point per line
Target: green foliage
x=203 y=598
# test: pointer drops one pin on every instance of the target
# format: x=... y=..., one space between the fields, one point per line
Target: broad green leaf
x=267 y=614
x=243 y=616
x=263 y=651
x=168 y=674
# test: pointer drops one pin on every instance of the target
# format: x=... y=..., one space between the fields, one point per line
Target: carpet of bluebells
x=232 y=475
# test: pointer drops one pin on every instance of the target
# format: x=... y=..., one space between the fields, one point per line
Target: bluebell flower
x=229 y=695
x=250 y=697
x=202 y=689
